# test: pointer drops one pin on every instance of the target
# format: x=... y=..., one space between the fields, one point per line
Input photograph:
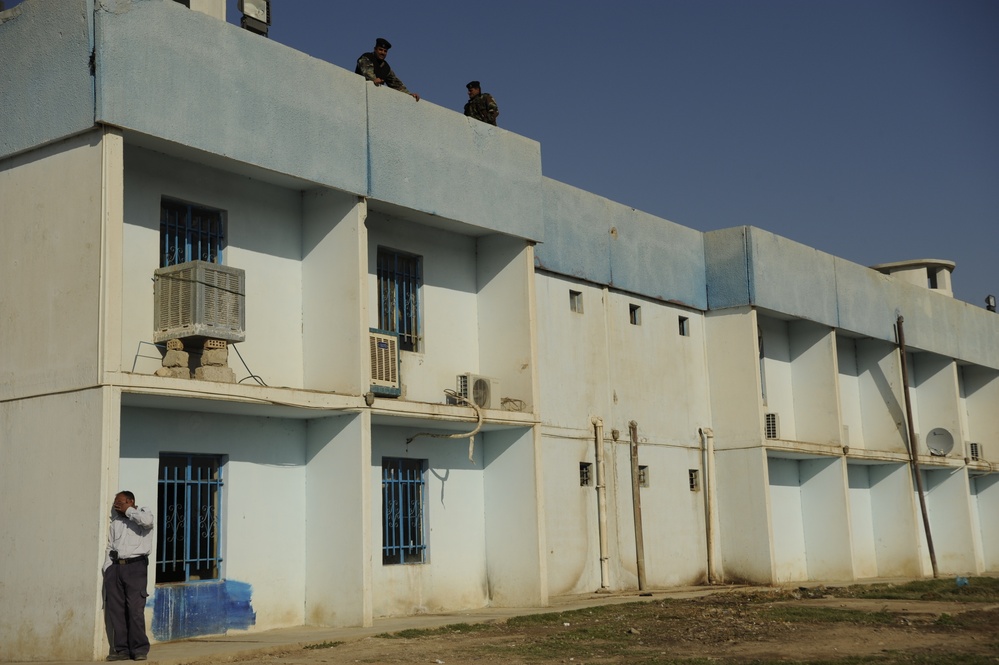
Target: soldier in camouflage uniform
x=481 y=105
x=373 y=67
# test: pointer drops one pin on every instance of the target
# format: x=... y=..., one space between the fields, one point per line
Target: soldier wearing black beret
x=375 y=68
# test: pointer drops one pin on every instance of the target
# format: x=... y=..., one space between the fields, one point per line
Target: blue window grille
x=403 y=528
x=399 y=282
x=190 y=233
x=190 y=515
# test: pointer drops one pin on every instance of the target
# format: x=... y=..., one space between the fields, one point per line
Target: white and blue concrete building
x=664 y=406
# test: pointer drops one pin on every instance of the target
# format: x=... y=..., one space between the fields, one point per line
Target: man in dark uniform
x=481 y=105
x=373 y=67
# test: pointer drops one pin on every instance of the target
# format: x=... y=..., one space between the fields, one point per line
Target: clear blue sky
x=868 y=129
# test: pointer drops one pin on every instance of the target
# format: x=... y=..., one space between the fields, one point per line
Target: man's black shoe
x=117 y=656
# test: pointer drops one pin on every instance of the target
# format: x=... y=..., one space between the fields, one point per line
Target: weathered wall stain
x=208 y=608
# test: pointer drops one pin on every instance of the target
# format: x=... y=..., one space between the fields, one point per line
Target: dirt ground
x=758 y=627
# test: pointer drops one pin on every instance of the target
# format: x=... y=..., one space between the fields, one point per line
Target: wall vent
x=480 y=389
x=975 y=451
x=384 y=346
x=199 y=299
x=771 y=425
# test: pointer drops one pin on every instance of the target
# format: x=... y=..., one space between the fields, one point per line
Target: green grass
x=451 y=629
x=979 y=590
x=798 y=614
x=323 y=645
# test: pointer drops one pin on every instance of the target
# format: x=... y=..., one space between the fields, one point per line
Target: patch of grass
x=452 y=629
x=978 y=589
x=324 y=645
x=794 y=613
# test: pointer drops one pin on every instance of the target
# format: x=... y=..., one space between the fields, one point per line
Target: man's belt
x=134 y=559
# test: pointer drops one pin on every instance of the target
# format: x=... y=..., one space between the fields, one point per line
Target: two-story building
x=363 y=359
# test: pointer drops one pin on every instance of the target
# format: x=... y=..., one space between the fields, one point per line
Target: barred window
x=190 y=233
x=189 y=514
x=403 y=523
x=399 y=282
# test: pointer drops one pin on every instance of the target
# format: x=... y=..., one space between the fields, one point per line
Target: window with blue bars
x=189 y=511
x=190 y=233
x=399 y=282
x=403 y=523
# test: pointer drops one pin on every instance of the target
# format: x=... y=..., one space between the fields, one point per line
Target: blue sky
x=868 y=129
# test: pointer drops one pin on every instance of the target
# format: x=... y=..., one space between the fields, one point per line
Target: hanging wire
x=471 y=435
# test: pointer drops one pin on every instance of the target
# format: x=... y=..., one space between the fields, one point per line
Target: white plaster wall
x=515 y=540
x=504 y=285
x=448 y=304
x=948 y=506
x=54 y=486
x=985 y=495
x=813 y=374
x=264 y=231
x=572 y=352
x=895 y=521
x=674 y=541
x=264 y=508
x=777 y=377
x=790 y=553
x=747 y=543
x=733 y=364
x=881 y=396
x=935 y=378
x=571 y=529
x=334 y=309
x=826 y=518
x=658 y=377
x=50 y=288
x=981 y=395
x=338 y=540
x=454 y=574
x=848 y=378
x=865 y=554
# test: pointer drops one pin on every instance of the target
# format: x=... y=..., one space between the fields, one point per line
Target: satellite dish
x=939 y=441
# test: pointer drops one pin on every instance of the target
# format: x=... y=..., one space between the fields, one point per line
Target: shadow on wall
x=209 y=608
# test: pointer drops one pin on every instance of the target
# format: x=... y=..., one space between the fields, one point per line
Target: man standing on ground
x=373 y=67
x=126 y=560
x=481 y=105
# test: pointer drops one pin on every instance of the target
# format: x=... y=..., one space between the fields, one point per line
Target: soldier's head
x=474 y=88
x=381 y=48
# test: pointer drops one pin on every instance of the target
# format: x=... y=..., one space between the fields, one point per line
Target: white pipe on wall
x=708 y=436
x=598 y=440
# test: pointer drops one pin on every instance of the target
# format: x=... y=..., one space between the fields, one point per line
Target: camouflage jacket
x=482 y=107
x=371 y=68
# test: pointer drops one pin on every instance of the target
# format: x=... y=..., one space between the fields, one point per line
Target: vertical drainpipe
x=598 y=440
x=636 y=499
x=913 y=453
x=708 y=437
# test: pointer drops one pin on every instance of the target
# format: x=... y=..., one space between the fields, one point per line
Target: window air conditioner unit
x=481 y=390
x=199 y=299
x=384 y=346
x=771 y=425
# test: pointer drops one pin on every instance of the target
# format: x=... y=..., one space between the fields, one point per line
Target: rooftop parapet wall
x=428 y=158
x=169 y=72
x=46 y=91
x=749 y=266
x=592 y=238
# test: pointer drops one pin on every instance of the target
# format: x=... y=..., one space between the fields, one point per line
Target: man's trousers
x=125 y=603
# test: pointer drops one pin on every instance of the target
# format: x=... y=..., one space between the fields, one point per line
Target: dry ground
x=779 y=626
